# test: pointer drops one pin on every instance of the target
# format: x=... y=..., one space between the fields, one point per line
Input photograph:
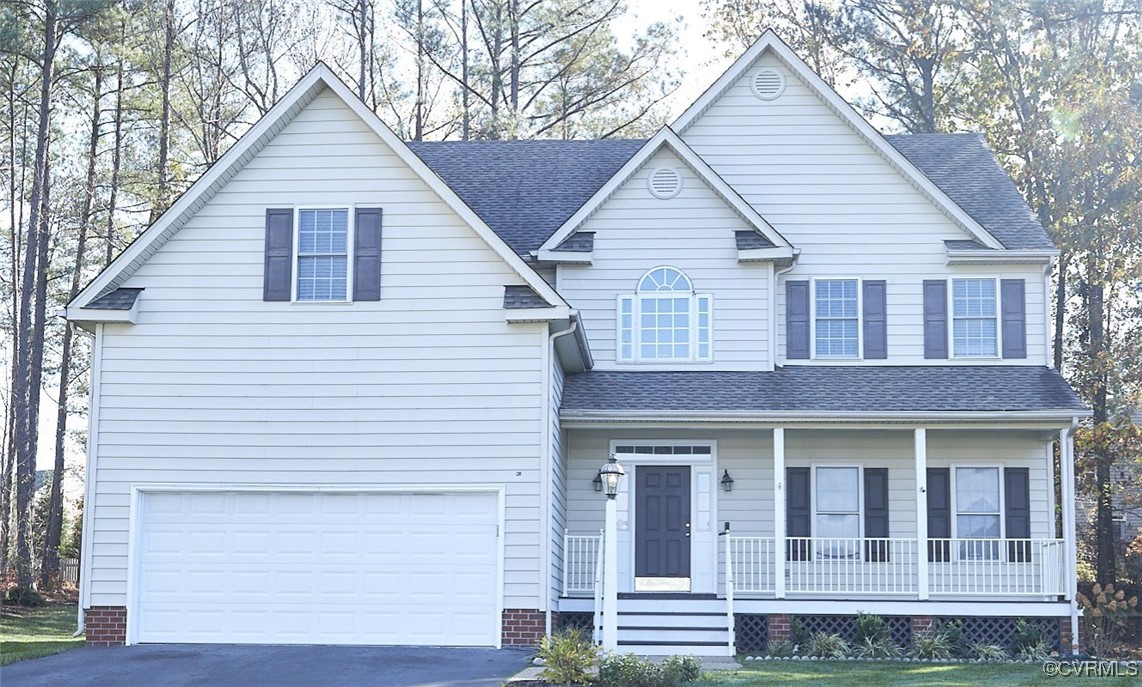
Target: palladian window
x=665 y=320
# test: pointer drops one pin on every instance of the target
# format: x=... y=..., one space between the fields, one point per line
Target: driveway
x=153 y=665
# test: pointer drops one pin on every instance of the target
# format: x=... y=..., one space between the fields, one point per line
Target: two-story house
x=353 y=390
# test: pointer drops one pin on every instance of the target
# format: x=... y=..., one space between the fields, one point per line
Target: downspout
x=89 y=474
x=1047 y=334
x=549 y=371
x=1067 y=452
x=773 y=308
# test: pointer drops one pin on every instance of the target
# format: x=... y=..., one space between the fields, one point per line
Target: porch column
x=779 y=512
x=1067 y=475
x=920 y=440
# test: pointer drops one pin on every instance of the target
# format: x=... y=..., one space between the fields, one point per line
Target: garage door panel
x=318 y=568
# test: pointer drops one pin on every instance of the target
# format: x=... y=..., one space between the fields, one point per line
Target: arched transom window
x=664 y=321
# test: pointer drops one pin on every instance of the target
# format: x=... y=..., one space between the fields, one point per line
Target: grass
x=34 y=632
x=844 y=674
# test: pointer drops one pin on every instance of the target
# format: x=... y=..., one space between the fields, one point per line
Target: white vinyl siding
x=693 y=232
x=429 y=385
x=845 y=207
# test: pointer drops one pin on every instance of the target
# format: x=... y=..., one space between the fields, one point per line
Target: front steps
x=666 y=624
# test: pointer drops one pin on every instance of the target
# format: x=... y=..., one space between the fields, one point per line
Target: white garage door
x=317 y=568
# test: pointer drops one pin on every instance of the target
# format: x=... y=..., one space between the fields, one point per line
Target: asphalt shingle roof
x=579 y=242
x=887 y=389
x=525 y=190
x=747 y=239
x=119 y=299
x=522 y=297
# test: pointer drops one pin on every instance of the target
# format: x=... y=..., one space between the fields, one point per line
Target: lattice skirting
x=1001 y=631
x=845 y=625
x=583 y=621
x=752 y=633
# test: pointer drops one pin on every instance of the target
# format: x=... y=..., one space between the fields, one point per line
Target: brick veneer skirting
x=780 y=626
x=523 y=626
x=106 y=625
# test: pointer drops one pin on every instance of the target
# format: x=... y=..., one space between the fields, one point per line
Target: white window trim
x=952 y=319
x=350 y=246
x=860 y=505
x=636 y=300
x=813 y=318
x=953 y=467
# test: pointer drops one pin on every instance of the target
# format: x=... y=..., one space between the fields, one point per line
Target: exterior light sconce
x=610 y=474
x=727 y=482
x=597 y=482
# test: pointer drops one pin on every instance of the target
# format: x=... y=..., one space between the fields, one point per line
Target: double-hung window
x=974 y=318
x=837 y=501
x=665 y=321
x=836 y=318
x=323 y=255
x=978 y=512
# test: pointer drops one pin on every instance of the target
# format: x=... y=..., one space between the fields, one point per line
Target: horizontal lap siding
x=848 y=210
x=427 y=385
x=694 y=231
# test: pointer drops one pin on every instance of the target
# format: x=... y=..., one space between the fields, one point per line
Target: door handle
x=687 y=530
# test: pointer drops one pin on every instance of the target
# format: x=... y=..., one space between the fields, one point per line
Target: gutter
x=800 y=417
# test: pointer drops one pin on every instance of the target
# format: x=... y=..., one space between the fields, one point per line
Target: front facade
x=352 y=390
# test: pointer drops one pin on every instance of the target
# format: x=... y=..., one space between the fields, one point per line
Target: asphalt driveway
x=153 y=665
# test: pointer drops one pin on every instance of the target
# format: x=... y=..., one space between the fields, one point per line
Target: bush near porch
x=892 y=674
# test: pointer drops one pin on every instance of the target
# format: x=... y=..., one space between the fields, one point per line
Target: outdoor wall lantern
x=727 y=482
x=610 y=475
x=597 y=482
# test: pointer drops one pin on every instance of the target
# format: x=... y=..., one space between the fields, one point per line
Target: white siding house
x=350 y=390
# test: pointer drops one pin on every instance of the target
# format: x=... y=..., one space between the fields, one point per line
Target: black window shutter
x=797 y=516
x=876 y=514
x=1017 y=509
x=367 y=255
x=939 y=494
x=1013 y=304
x=875 y=319
x=797 y=320
x=935 y=319
x=277 y=281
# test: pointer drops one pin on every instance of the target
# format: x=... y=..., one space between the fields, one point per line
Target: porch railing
x=582 y=554
x=836 y=567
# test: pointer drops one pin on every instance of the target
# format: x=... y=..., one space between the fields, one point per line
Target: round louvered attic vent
x=665 y=182
x=768 y=84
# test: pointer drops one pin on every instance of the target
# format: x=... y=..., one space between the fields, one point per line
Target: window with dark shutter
x=797 y=320
x=935 y=319
x=875 y=307
x=277 y=278
x=797 y=512
x=876 y=515
x=939 y=492
x=1013 y=305
x=1017 y=513
x=367 y=255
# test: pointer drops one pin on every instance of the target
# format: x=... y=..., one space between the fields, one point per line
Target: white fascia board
x=564 y=257
x=665 y=137
x=1000 y=257
x=765 y=254
x=771 y=41
x=810 y=417
x=537 y=314
x=254 y=140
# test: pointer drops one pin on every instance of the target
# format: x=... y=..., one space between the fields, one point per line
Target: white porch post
x=920 y=440
x=779 y=512
x=611 y=577
x=1067 y=473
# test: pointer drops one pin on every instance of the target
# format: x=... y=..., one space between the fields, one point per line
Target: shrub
x=567 y=656
x=824 y=645
x=869 y=647
x=1104 y=614
x=1039 y=651
x=781 y=648
x=989 y=652
x=681 y=669
x=628 y=670
x=871 y=627
x=931 y=645
x=24 y=596
x=952 y=633
x=798 y=633
x=1026 y=636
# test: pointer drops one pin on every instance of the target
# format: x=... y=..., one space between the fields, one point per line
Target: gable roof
x=264 y=130
x=667 y=139
x=770 y=42
x=804 y=389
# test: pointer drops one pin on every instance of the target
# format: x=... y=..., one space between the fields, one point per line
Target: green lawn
x=843 y=674
x=35 y=632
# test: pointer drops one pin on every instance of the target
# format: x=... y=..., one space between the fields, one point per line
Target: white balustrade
x=581 y=555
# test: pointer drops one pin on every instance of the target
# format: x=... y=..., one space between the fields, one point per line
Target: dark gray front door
x=662 y=521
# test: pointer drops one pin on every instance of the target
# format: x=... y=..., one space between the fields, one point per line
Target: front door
x=662 y=528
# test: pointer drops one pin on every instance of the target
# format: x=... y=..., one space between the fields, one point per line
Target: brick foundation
x=523 y=626
x=1065 y=635
x=923 y=624
x=780 y=626
x=106 y=625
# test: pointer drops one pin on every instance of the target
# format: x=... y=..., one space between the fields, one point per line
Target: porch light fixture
x=610 y=475
x=597 y=482
x=727 y=482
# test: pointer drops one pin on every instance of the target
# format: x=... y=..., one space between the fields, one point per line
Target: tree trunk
x=116 y=159
x=1061 y=308
x=418 y=115
x=1106 y=553
x=26 y=389
x=163 y=198
x=49 y=567
x=465 y=90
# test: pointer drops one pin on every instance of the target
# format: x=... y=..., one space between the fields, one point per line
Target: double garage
x=316 y=567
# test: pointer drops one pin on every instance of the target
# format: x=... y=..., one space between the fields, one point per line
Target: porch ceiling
x=859 y=391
